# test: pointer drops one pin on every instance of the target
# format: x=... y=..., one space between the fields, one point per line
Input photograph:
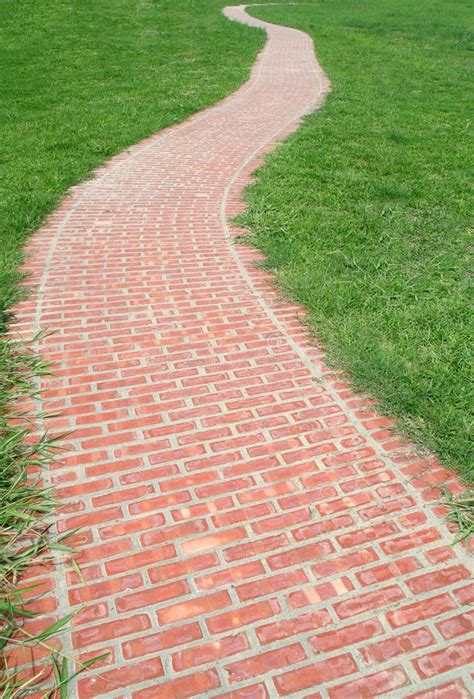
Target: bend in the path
x=247 y=523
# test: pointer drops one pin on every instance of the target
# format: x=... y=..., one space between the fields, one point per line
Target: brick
x=130 y=674
x=342 y=563
x=152 y=596
x=323 y=527
x=346 y=636
x=368 y=602
x=243 y=616
x=398 y=645
x=209 y=652
x=410 y=541
x=194 y=607
x=182 y=687
x=181 y=568
x=451 y=690
x=457 y=625
x=280 y=630
x=156 y=642
x=230 y=575
x=388 y=571
x=112 y=629
x=300 y=554
x=378 y=684
x=255 y=548
x=288 y=683
x=213 y=541
x=174 y=532
x=440 y=578
x=106 y=588
x=433 y=664
x=318 y=593
x=254 y=691
x=139 y=560
x=465 y=594
x=281 y=521
x=265 y=662
x=270 y=584
x=419 y=611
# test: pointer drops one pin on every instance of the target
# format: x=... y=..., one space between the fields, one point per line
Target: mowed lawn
x=364 y=213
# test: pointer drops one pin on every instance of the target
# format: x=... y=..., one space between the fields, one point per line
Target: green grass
x=364 y=212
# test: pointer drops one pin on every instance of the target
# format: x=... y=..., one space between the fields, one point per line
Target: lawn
x=364 y=213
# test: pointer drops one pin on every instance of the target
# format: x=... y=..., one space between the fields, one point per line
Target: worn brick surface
x=249 y=527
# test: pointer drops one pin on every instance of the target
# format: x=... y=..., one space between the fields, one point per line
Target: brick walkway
x=249 y=527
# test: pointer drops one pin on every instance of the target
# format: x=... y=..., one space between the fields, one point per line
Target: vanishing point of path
x=248 y=527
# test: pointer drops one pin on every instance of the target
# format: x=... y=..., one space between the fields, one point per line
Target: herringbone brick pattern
x=248 y=526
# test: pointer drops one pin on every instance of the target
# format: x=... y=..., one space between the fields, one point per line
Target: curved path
x=249 y=527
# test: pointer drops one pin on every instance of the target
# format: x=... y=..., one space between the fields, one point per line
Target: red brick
x=440 y=578
x=182 y=687
x=323 y=527
x=139 y=560
x=213 y=541
x=156 y=642
x=280 y=630
x=244 y=514
x=193 y=607
x=458 y=655
x=230 y=575
x=256 y=548
x=378 y=684
x=112 y=629
x=281 y=521
x=388 y=571
x=410 y=541
x=398 y=645
x=242 y=616
x=346 y=562
x=288 y=683
x=300 y=554
x=106 y=588
x=368 y=602
x=265 y=662
x=254 y=691
x=270 y=584
x=457 y=625
x=209 y=652
x=346 y=636
x=152 y=596
x=174 y=532
x=418 y=611
x=318 y=593
x=180 y=568
x=451 y=690
x=465 y=594
x=127 y=675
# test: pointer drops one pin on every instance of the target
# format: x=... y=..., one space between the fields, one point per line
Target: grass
x=364 y=212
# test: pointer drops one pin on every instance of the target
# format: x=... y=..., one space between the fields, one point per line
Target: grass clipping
x=25 y=505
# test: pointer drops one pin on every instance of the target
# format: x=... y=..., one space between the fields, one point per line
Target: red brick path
x=249 y=527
